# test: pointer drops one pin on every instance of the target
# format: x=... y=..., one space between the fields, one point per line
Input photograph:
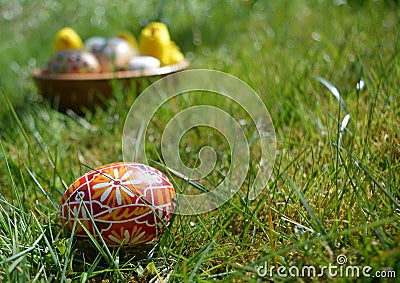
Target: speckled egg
x=73 y=61
x=130 y=203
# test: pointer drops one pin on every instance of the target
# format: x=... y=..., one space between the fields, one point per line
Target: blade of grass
x=24 y=252
x=334 y=91
x=17 y=120
x=43 y=191
x=304 y=201
x=202 y=254
x=53 y=253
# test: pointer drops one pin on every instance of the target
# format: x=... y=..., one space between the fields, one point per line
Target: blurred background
x=273 y=38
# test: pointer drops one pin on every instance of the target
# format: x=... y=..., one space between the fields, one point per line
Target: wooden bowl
x=78 y=91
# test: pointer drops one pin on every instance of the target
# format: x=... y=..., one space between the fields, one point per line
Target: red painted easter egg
x=130 y=203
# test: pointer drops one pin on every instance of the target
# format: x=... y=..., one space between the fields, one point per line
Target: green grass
x=327 y=196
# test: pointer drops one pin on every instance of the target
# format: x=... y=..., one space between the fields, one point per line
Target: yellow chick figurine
x=129 y=37
x=67 y=39
x=155 y=41
x=175 y=55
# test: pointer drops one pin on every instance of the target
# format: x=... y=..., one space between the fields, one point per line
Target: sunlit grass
x=334 y=188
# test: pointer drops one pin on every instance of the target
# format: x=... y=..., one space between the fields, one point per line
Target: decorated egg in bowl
x=129 y=204
x=95 y=44
x=143 y=63
x=73 y=61
x=113 y=54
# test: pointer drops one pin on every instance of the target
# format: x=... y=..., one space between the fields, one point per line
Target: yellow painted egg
x=130 y=38
x=73 y=61
x=129 y=203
